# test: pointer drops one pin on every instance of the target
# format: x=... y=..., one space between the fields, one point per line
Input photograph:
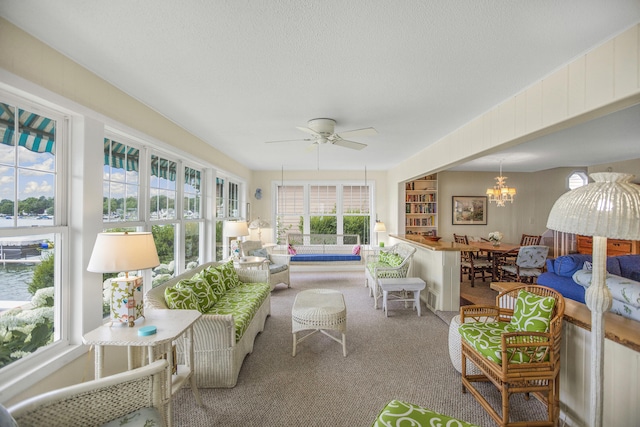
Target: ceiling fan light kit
x=322 y=131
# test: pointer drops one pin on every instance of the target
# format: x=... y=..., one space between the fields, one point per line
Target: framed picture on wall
x=469 y=210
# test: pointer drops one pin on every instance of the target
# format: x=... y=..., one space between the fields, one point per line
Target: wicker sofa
x=225 y=333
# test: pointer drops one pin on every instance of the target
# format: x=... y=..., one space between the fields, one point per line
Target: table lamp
x=259 y=224
x=124 y=252
x=606 y=208
x=235 y=229
x=379 y=228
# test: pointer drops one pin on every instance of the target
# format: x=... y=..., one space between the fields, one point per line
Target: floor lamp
x=124 y=252
x=606 y=208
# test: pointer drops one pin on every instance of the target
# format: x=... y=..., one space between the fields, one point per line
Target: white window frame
x=306 y=201
x=15 y=372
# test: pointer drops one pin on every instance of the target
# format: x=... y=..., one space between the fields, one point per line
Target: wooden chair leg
x=505 y=404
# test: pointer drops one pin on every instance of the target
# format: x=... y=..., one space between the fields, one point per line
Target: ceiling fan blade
x=358 y=132
x=313 y=146
x=349 y=144
x=289 y=140
x=307 y=130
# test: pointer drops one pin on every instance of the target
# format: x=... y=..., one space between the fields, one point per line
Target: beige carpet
x=403 y=356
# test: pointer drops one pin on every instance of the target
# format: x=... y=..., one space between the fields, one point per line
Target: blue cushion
x=276 y=268
x=629 y=264
x=566 y=265
x=262 y=252
x=324 y=257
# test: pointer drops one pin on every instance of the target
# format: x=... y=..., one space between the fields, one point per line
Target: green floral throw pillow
x=394 y=260
x=181 y=299
x=213 y=277
x=229 y=275
x=384 y=257
x=203 y=292
x=532 y=313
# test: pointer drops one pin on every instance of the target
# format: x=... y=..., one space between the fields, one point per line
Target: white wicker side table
x=319 y=310
x=171 y=325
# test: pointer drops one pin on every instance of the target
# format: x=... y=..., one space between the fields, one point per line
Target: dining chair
x=529 y=264
x=525 y=240
x=530 y=240
x=472 y=265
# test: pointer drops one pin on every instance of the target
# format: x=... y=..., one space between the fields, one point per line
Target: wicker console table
x=319 y=310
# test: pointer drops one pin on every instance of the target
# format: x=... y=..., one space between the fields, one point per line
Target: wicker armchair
x=516 y=351
x=99 y=401
x=278 y=263
x=377 y=268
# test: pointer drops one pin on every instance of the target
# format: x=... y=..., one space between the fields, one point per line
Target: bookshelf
x=421 y=206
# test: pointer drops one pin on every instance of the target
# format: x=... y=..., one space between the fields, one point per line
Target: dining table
x=495 y=252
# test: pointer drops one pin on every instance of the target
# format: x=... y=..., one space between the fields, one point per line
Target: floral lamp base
x=126 y=299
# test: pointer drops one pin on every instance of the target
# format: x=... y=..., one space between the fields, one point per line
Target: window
x=323 y=209
x=163 y=188
x=356 y=211
x=192 y=215
x=289 y=212
x=32 y=231
x=121 y=182
x=577 y=179
x=228 y=206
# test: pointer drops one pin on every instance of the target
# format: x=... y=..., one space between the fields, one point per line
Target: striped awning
x=121 y=156
x=36 y=133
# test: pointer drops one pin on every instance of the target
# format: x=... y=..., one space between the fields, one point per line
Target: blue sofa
x=562 y=270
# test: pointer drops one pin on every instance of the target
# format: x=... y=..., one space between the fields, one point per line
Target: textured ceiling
x=239 y=73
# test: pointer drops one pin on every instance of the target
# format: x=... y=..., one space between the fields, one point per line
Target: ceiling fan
x=323 y=132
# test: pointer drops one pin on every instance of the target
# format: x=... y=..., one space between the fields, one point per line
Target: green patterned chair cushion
x=144 y=417
x=486 y=338
x=532 y=312
x=203 y=292
x=399 y=413
x=181 y=299
x=242 y=302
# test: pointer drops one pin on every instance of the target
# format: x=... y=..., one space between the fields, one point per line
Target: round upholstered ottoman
x=455 y=348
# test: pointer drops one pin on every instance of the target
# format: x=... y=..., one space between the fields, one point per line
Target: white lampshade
x=379 y=227
x=236 y=228
x=117 y=252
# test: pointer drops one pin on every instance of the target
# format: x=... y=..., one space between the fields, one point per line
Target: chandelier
x=500 y=193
